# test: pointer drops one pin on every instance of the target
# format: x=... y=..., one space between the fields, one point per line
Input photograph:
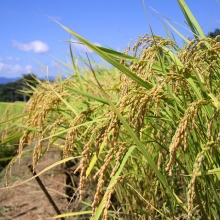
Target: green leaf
x=88 y=95
x=191 y=20
x=43 y=171
x=108 y=58
x=74 y=214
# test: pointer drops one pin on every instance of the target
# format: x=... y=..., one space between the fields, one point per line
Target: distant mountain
x=4 y=80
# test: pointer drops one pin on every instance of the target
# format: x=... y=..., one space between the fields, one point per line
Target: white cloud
x=28 y=69
x=11 y=59
x=9 y=69
x=14 y=70
x=54 y=63
x=35 y=46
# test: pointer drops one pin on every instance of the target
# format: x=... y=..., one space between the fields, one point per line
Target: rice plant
x=147 y=130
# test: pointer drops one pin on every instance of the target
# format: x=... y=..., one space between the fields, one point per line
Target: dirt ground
x=27 y=201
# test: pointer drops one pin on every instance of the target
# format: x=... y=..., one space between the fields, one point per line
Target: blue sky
x=28 y=34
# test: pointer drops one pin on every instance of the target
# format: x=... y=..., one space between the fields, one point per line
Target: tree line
x=215 y=33
x=18 y=90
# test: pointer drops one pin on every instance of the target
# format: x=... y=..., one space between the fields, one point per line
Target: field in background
x=9 y=117
x=14 y=108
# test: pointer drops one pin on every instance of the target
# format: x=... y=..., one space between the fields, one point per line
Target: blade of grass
x=74 y=110
x=108 y=58
x=148 y=202
x=74 y=214
x=112 y=53
x=192 y=22
x=13 y=119
x=6 y=158
x=77 y=126
x=43 y=171
x=207 y=172
x=94 y=159
x=166 y=18
x=76 y=69
x=87 y=95
x=181 y=35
